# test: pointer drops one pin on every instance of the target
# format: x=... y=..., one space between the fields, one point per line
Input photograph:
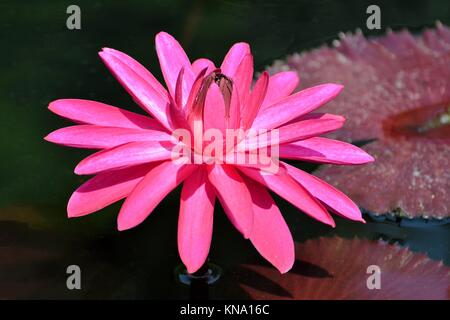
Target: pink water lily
x=135 y=159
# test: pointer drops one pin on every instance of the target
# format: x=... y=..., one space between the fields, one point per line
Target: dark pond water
x=41 y=61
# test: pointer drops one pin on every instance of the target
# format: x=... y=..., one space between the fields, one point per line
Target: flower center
x=225 y=85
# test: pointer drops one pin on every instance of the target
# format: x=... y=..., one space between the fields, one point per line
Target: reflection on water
x=140 y=263
x=43 y=61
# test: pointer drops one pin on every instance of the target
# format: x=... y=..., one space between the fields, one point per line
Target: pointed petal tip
x=286 y=264
x=51 y=106
x=55 y=105
x=163 y=36
x=80 y=169
x=286 y=268
x=77 y=170
x=48 y=137
x=124 y=222
x=53 y=136
x=364 y=157
x=164 y=40
x=123 y=225
x=108 y=51
x=357 y=217
x=242 y=44
x=75 y=207
x=73 y=214
x=370 y=158
x=331 y=223
x=334 y=88
x=192 y=268
x=104 y=55
x=72 y=211
x=71 y=207
x=335 y=118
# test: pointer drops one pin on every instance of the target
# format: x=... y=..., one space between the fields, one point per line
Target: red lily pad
x=397 y=98
x=337 y=269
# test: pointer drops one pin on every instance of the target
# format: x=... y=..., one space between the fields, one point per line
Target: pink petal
x=92 y=112
x=214 y=112
x=234 y=196
x=242 y=80
x=177 y=112
x=323 y=150
x=329 y=195
x=304 y=129
x=196 y=86
x=178 y=96
x=234 y=58
x=283 y=185
x=316 y=115
x=98 y=137
x=256 y=98
x=200 y=64
x=280 y=86
x=172 y=58
x=299 y=130
x=234 y=121
x=195 y=222
x=296 y=105
x=142 y=92
x=150 y=191
x=125 y=155
x=139 y=69
x=270 y=234
x=105 y=189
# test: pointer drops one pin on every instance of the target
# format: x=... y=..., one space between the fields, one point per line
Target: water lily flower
x=136 y=162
